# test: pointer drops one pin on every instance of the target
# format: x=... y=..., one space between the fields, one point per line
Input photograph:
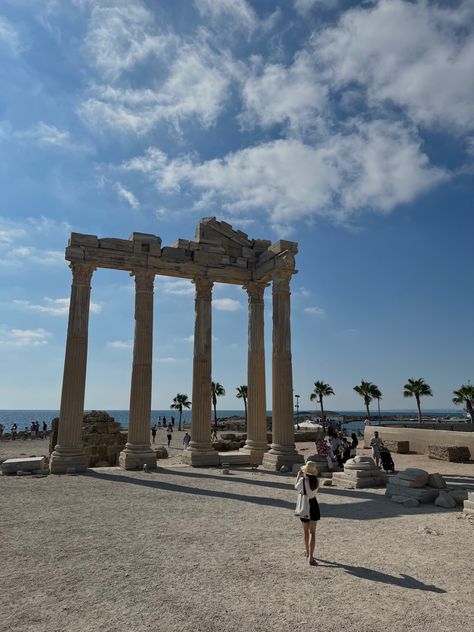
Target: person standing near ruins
x=376 y=443
x=307 y=483
x=169 y=433
x=186 y=440
x=153 y=433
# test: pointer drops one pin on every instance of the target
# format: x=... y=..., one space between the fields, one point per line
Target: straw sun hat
x=309 y=468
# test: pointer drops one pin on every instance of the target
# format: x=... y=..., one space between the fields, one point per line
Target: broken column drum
x=219 y=254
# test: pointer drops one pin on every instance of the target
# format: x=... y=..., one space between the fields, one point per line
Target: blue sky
x=347 y=127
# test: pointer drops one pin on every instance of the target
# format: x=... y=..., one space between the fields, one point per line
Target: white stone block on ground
x=403 y=482
x=469 y=504
x=358 y=483
x=26 y=464
x=445 y=500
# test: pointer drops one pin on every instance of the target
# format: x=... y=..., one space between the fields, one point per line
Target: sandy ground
x=194 y=550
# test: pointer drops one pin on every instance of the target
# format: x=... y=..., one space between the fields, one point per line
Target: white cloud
x=316 y=311
x=418 y=55
x=55 y=306
x=9 y=37
x=128 y=196
x=167 y=360
x=226 y=304
x=120 y=344
x=231 y=13
x=370 y=166
x=278 y=94
x=305 y=6
x=303 y=292
x=24 y=337
x=46 y=135
x=178 y=287
x=120 y=36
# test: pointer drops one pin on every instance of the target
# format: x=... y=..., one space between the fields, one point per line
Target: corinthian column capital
x=203 y=288
x=144 y=280
x=82 y=273
x=255 y=290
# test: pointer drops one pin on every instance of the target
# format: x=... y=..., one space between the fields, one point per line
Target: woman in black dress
x=307 y=482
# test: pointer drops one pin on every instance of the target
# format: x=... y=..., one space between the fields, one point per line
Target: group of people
x=339 y=449
x=169 y=433
x=33 y=431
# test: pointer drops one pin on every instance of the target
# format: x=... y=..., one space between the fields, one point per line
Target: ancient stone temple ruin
x=219 y=254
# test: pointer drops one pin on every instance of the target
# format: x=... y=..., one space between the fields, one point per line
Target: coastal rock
x=445 y=500
x=437 y=481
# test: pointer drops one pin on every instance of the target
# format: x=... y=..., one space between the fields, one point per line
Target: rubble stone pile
x=359 y=472
x=414 y=486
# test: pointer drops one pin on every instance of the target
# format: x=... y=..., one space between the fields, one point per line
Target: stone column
x=137 y=451
x=256 y=444
x=282 y=450
x=69 y=453
x=200 y=451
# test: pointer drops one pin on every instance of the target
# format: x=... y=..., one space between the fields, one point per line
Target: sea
x=23 y=418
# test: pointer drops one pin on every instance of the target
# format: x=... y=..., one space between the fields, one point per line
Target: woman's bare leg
x=312 y=540
x=306 y=537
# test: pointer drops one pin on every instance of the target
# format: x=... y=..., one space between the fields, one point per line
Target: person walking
x=153 y=433
x=376 y=443
x=354 y=444
x=306 y=484
x=186 y=440
x=14 y=432
x=169 y=434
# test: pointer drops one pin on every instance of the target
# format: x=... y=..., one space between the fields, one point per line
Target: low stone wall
x=421 y=438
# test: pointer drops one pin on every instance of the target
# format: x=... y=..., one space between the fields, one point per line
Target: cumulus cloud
x=234 y=13
x=23 y=337
x=54 y=306
x=226 y=304
x=417 y=55
x=370 y=166
x=177 y=287
x=120 y=344
x=127 y=195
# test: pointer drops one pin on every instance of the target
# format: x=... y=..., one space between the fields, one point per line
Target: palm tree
x=321 y=390
x=217 y=390
x=179 y=402
x=378 y=397
x=465 y=394
x=368 y=391
x=417 y=388
x=242 y=394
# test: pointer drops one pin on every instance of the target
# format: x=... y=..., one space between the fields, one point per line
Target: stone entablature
x=219 y=254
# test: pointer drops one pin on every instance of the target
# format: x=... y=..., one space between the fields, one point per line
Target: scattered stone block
x=399 y=499
x=161 y=453
x=445 y=500
x=436 y=481
x=411 y=502
x=459 y=495
x=402 y=447
x=452 y=453
x=24 y=464
x=360 y=472
x=422 y=494
x=326 y=482
x=415 y=475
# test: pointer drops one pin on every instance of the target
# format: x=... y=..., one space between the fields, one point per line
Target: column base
x=255 y=451
x=200 y=458
x=134 y=457
x=64 y=460
x=275 y=461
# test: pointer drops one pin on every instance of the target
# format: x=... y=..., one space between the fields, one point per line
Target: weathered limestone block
x=459 y=495
x=411 y=502
x=445 y=500
x=360 y=472
x=161 y=453
x=455 y=454
x=422 y=494
x=79 y=239
x=175 y=254
x=437 y=481
x=415 y=475
x=399 y=499
x=402 y=447
x=24 y=464
x=110 y=243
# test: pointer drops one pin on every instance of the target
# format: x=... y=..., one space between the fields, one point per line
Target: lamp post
x=297 y=406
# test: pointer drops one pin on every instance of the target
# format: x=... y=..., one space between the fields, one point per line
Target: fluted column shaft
x=138 y=450
x=283 y=442
x=256 y=443
x=69 y=453
x=200 y=451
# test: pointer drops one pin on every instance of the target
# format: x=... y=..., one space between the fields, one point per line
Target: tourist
x=2 y=428
x=169 y=433
x=33 y=430
x=37 y=429
x=307 y=484
x=354 y=444
x=172 y=421
x=335 y=444
x=14 y=432
x=323 y=449
x=214 y=433
x=376 y=443
x=153 y=433
x=27 y=432
x=186 y=440
x=164 y=421
x=45 y=429
x=346 y=449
